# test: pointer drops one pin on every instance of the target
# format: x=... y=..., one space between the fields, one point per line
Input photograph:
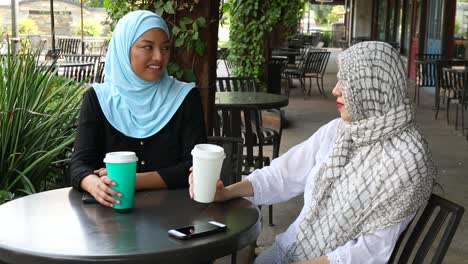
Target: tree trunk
x=204 y=67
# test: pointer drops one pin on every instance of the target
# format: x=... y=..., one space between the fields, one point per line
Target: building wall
x=362 y=18
x=67 y=15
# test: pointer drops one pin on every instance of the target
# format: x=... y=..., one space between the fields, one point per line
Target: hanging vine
x=253 y=20
x=185 y=29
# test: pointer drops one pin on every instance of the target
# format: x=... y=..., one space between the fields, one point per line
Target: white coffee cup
x=207 y=163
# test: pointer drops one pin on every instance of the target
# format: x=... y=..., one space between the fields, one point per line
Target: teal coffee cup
x=121 y=168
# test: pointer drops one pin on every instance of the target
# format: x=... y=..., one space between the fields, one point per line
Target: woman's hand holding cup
x=221 y=191
x=100 y=188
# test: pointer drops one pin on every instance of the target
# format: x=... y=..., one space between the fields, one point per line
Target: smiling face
x=149 y=55
x=340 y=103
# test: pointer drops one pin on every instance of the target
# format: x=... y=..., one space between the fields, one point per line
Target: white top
x=287 y=177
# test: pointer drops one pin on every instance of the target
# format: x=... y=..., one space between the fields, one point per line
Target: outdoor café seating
x=456 y=93
x=432 y=231
x=313 y=66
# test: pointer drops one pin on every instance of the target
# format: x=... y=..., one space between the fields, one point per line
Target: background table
x=241 y=108
x=56 y=227
x=253 y=100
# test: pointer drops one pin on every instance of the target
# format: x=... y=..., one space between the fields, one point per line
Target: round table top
x=57 y=227
x=255 y=100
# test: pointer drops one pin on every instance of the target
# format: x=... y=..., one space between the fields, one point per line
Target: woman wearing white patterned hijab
x=369 y=172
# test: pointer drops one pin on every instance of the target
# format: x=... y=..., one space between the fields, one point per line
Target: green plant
x=321 y=14
x=456 y=29
x=334 y=14
x=185 y=29
x=28 y=26
x=38 y=111
x=253 y=21
x=91 y=28
x=326 y=38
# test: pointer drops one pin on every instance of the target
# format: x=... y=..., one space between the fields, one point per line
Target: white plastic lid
x=120 y=157
x=208 y=151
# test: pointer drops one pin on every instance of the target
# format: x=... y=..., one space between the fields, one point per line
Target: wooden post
x=204 y=67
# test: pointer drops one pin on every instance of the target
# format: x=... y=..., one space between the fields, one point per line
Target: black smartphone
x=88 y=198
x=198 y=230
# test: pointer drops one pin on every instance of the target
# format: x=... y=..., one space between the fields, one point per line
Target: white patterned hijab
x=380 y=170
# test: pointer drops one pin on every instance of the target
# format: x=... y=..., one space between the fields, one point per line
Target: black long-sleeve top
x=167 y=151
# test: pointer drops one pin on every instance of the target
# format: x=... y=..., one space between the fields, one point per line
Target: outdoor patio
x=304 y=114
x=449 y=149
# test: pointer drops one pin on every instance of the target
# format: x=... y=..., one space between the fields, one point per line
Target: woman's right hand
x=221 y=191
x=99 y=188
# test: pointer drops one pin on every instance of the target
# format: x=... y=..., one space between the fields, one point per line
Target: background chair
x=231 y=172
x=296 y=71
x=69 y=45
x=315 y=68
x=442 y=82
x=244 y=122
x=99 y=77
x=425 y=76
x=433 y=232
x=456 y=90
x=78 y=71
x=81 y=58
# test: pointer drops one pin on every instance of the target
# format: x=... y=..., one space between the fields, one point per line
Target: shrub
x=92 y=28
x=38 y=111
x=28 y=26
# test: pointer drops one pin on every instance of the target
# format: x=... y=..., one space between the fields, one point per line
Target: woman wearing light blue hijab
x=138 y=108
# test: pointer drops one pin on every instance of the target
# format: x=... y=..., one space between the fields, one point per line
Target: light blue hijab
x=133 y=106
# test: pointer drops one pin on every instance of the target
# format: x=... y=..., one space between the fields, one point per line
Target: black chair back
x=429 y=56
x=316 y=62
x=81 y=58
x=242 y=123
x=236 y=84
x=438 y=221
x=99 y=78
x=79 y=71
x=68 y=45
x=232 y=164
x=426 y=75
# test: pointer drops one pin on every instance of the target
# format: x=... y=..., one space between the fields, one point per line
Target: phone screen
x=197 y=230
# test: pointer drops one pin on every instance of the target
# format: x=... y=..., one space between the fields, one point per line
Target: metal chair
x=77 y=71
x=438 y=221
x=245 y=122
x=81 y=58
x=78 y=58
x=429 y=56
x=456 y=90
x=231 y=172
x=315 y=68
x=99 y=78
x=425 y=76
x=69 y=45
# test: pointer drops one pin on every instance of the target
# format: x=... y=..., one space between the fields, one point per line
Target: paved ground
x=449 y=149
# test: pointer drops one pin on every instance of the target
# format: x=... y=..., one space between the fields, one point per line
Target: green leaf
x=186 y=20
x=195 y=36
x=189 y=75
x=182 y=26
x=169 y=7
x=175 y=30
x=201 y=21
x=200 y=47
x=179 y=42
